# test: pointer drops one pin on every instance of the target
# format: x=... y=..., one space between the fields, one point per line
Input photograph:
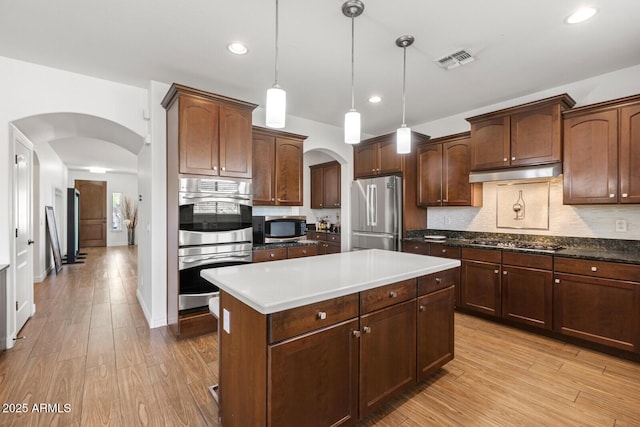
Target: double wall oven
x=215 y=231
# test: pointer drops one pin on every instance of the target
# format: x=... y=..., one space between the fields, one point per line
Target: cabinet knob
x=557 y=280
x=594 y=268
x=513 y=158
x=393 y=294
x=215 y=168
x=273 y=199
x=504 y=272
x=438 y=200
x=321 y=315
x=444 y=251
x=445 y=200
x=367 y=330
x=612 y=195
x=438 y=280
x=496 y=271
x=625 y=195
x=223 y=168
x=272 y=255
x=373 y=170
x=304 y=251
x=422 y=308
x=356 y=334
x=505 y=159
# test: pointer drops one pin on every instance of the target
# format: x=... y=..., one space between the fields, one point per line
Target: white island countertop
x=270 y=287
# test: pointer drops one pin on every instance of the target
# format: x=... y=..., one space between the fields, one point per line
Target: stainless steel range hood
x=551 y=170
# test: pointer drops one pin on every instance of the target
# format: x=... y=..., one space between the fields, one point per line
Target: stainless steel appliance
x=279 y=229
x=376 y=213
x=214 y=231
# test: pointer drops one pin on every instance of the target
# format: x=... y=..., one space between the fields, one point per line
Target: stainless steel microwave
x=279 y=229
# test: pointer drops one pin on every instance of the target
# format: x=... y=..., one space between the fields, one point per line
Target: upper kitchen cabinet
x=602 y=153
x=377 y=156
x=528 y=134
x=325 y=185
x=443 y=173
x=210 y=134
x=277 y=168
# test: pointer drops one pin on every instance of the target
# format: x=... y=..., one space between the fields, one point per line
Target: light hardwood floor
x=89 y=346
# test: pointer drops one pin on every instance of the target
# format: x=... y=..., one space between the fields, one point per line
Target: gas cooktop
x=519 y=245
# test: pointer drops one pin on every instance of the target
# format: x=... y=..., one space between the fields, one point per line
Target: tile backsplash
x=564 y=220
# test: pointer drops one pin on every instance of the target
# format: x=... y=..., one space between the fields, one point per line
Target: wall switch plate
x=621 y=226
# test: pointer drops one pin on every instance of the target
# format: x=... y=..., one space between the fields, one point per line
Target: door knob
x=30 y=242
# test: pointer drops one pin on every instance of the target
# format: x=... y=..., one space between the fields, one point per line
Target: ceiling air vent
x=454 y=60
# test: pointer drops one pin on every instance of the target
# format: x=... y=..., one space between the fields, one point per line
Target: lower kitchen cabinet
x=480 y=281
x=329 y=242
x=387 y=354
x=275 y=254
x=435 y=333
x=420 y=248
x=527 y=289
x=589 y=306
x=315 y=377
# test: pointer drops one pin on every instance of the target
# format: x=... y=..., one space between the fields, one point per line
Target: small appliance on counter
x=279 y=229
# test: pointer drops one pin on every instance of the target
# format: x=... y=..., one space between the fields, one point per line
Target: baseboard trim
x=153 y=323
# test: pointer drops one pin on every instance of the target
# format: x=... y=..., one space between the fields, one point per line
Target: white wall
x=577 y=221
x=124 y=183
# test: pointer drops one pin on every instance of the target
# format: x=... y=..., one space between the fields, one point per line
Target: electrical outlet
x=621 y=226
x=447 y=220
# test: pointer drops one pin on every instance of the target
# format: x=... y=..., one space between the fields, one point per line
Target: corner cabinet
x=277 y=169
x=443 y=173
x=210 y=134
x=602 y=153
x=325 y=185
x=528 y=134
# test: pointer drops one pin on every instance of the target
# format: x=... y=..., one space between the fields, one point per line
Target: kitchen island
x=327 y=340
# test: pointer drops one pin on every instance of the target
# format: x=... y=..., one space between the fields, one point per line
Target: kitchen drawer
x=262 y=255
x=315 y=235
x=444 y=251
x=542 y=262
x=302 y=251
x=335 y=238
x=610 y=270
x=439 y=280
x=384 y=296
x=289 y=323
x=486 y=255
x=419 y=248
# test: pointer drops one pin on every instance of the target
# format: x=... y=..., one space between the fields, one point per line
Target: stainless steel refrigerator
x=376 y=213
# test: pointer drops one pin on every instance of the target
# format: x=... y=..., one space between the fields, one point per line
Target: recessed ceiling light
x=238 y=48
x=375 y=99
x=581 y=15
x=97 y=170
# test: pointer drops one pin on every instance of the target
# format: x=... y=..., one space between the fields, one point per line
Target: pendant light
x=352 y=9
x=276 y=96
x=403 y=134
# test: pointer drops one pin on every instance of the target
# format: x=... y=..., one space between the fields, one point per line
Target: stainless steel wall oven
x=215 y=231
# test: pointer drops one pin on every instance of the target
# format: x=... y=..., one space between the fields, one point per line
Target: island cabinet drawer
x=444 y=251
x=609 y=270
x=439 y=280
x=289 y=323
x=302 y=251
x=262 y=255
x=384 y=296
x=542 y=262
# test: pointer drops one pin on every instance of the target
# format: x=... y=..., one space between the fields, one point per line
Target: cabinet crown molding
x=177 y=89
x=564 y=100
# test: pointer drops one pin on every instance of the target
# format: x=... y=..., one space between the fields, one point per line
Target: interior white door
x=23 y=266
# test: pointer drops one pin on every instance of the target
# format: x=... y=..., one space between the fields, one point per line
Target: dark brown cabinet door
x=599 y=310
x=430 y=175
x=235 y=143
x=313 y=379
x=93 y=213
x=591 y=158
x=435 y=331
x=288 y=172
x=387 y=354
x=527 y=296
x=480 y=281
x=490 y=146
x=331 y=190
x=536 y=136
x=317 y=187
x=365 y=160
x=198 y=136
x=456 y=161
x=630 y=154
x=264 y=153
x=390 y=161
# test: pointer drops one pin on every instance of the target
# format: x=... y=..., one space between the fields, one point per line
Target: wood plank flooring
x=89 y=347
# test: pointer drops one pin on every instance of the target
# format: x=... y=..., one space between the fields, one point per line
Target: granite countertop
x=285 y=244
x=611 y=250
x=274 y=286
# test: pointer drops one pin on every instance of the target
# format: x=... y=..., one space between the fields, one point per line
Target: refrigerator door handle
x=382 y=236
x=373 y=202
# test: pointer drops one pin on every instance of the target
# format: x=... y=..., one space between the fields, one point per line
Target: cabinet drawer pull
x=422 y=308
x=393 y=294
x=356 y=334
x=322 y=315
x=367 y=330
x=612 y=195
x=445 y=200
x=594 y=268
x=496 y=271
x=513 y=158
x=438 y=280
x=504 y=272
x=625 y=195
x=223 y=168
x=444 y=251
x=505 y=159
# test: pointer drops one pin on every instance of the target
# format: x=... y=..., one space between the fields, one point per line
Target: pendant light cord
x=352 y=63
x=404 y=85
x=276 y=65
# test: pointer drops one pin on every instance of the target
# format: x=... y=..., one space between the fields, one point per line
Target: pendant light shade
x=403 y=134
x=276 y=96
x=352 y=9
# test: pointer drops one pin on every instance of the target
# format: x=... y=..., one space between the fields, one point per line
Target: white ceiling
x=520 y=47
